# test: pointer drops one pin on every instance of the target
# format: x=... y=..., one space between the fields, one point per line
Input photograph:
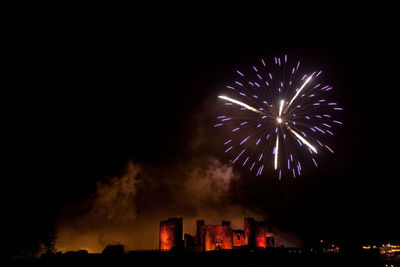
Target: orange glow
x=217 y=237
x=238 y=239
x=248 y=225
x=170 y=233
x=166 y=238
x=260 y=236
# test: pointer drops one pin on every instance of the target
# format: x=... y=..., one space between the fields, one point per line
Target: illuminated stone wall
x=171 y=233
x=215 y=237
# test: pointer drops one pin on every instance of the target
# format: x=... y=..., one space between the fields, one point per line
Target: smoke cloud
x=127 y=210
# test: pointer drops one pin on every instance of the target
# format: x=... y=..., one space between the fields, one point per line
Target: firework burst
x=278 y=117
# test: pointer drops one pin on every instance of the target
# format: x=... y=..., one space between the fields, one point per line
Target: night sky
x=86 y=98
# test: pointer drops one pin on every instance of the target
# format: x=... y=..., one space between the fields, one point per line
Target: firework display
x=278 y=117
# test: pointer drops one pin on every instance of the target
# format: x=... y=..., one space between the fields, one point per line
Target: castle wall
x=170 y=234
x=238 y=238
x=209 y=238
x=215 y=237
x=260 y=235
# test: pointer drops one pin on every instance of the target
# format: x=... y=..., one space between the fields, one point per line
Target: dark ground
x=276 y=257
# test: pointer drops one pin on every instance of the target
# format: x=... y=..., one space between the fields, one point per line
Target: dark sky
x=87 y=96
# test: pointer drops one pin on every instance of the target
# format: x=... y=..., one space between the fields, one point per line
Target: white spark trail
x=281 y=106
x=276 y=152
x=240 y=104
x=302 y=139
x=298 y=92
